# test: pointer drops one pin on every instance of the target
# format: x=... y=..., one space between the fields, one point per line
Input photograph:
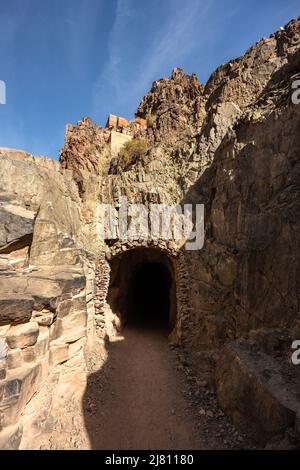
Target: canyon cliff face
x=232 y=145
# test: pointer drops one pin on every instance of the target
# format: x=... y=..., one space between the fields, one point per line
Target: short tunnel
x=142 y=289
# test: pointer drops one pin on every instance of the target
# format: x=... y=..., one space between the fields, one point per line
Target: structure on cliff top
x=232 y=145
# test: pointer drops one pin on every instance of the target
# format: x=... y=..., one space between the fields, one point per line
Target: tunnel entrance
x=142 y=289
x=149 y=296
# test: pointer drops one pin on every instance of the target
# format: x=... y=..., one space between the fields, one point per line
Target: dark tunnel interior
x=149 y=295
x=142 y=289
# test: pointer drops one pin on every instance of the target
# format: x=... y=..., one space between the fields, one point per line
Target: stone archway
x=107 y=291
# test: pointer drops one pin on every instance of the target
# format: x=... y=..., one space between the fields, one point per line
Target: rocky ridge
x=231 y=144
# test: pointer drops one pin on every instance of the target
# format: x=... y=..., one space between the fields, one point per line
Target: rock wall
x=232 y=145
x=46 y=283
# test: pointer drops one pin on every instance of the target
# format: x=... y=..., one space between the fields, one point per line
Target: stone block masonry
x=117 y=140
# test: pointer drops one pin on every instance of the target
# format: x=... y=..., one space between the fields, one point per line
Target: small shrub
x=132 y=151
x=151 y=118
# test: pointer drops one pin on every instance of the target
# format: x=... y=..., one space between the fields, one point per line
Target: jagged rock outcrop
x=174 y=109
x=232 y=145
x=86 y=147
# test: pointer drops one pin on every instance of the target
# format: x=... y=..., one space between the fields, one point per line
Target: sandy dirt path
x=144 y=396
x=136 y=400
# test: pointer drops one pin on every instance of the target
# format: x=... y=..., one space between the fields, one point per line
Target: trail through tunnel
x=142 y=289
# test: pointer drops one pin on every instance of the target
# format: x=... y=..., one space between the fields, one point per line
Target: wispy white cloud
x=124 y=14
x=112 y=75
x=178 y=34
x=176 y=41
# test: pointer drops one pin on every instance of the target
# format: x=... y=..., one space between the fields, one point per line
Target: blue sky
x=62 y=60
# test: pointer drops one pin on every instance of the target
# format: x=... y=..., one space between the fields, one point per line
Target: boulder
x=22 y=336
x=254 y=391
x=14 y=358
x=15 y=308
x=16 y=390
x=16 y=227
